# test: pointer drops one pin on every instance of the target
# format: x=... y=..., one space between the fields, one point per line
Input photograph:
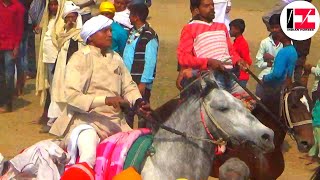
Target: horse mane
x=194 y=91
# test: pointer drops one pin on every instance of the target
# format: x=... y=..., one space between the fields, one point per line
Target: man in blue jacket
x=282 y=71
x=141 y=51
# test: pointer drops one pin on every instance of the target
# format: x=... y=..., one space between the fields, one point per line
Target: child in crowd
x=269 y=48
x=241 y=46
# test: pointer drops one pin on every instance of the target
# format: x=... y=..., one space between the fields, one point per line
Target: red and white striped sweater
x=201 y=41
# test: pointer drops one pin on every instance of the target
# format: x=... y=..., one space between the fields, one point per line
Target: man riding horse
x=97 y=82
x=195 y=52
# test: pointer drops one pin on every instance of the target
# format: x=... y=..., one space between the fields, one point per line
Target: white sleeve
x=98 y=101
x=259 y=57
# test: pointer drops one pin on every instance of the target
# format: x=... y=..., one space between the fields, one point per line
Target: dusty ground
x=167 y=18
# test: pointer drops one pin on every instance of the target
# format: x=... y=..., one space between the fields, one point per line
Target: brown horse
x=271 y=165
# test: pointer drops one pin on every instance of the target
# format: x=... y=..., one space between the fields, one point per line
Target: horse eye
x=223 y=109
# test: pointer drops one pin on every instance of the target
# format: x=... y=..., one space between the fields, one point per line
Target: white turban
x=123 y=18
x=70 y=7
x=94 y=25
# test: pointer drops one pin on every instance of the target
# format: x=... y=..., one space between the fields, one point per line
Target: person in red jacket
x=11 y=30
x=241 y=46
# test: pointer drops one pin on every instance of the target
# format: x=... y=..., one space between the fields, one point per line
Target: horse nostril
x=265 y=137
x=304 y=143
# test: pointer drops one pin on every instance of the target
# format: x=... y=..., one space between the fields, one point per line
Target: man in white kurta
x=96 y=82
x=68 y=41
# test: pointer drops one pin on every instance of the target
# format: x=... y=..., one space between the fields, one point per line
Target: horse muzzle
x=266 y=142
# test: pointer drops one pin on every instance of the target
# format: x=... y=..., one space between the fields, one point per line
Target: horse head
x=296 y=111
x=195 y=126
x=236 y=121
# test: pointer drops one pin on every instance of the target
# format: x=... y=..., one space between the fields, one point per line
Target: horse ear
x=208 y=83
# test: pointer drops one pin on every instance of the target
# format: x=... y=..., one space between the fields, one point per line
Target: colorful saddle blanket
x=112 y=152
x=138 y=152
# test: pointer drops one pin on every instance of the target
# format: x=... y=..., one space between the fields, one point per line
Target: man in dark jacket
x=141 y=51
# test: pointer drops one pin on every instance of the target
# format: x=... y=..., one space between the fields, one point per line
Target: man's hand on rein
x=215 y=65
x=183 y=74
x=115 y=101
x=143 y=107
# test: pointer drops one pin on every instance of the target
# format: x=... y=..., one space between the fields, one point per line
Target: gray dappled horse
x=179 y=157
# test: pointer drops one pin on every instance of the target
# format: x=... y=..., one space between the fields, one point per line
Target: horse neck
x=177 y=155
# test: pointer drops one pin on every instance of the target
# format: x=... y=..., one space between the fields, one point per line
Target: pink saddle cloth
x=112 y=152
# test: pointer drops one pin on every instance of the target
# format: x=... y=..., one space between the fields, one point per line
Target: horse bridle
x=156 y=120
x=286 y=112
x=216 y=124
x=212 y=118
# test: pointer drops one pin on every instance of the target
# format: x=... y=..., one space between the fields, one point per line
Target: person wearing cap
x=140 y=54
x=119 y=35
x=69 y=41
x=96 y=83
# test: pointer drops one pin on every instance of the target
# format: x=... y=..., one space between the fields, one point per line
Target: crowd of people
x=88 y=65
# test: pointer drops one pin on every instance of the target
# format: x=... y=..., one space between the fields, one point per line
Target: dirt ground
x=167 y=17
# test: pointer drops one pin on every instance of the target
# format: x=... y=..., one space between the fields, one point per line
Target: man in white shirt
x=222 y=9
x=269 y=48
x=302 y=47
x=85 y=8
